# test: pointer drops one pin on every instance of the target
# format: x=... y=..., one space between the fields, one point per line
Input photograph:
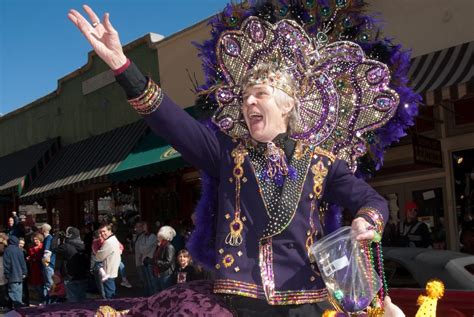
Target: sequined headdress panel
x=342 y=94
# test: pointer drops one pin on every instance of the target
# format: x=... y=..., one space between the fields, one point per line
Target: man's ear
x=287 y=107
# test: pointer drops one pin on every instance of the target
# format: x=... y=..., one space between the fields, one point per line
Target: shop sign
x=427 y=151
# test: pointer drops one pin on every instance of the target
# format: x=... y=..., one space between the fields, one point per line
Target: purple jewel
x=228 y=259
x=375 y=75
x=362 y=302
x=348 y=304
x=225 y=96
x=231 y=46
x=360 y=148
x=383 y=103
x=274 y=157
x=236 y=226
x=257 y=33
x=226 y=123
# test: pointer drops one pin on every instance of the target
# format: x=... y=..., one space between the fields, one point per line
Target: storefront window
x=118 y=204
x=463 y=169
x=109 y=204
x=87 y=206
x=33 y=215
x=431 y=211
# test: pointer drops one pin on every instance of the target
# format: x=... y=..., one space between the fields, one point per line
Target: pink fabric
x=96 y=244
x=58 y=290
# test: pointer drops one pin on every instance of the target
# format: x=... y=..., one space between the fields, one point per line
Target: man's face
x=10 y=221
x=104 y=233
x=21 y=244
x=139 y=228
x=411 y=214
x=264 y=119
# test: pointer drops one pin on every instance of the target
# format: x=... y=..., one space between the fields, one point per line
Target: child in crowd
x=185 y=271
x=58 y=290
x=97 y=266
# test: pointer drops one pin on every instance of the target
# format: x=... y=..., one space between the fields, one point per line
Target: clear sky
x=39 y=45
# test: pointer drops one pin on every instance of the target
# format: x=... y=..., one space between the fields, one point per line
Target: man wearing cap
x=414 y=233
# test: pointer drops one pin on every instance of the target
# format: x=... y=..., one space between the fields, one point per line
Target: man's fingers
x=92 y=16
x=79 y=20
x=107 y=25
x=83 y=25
x=368 y=235
x=72 y=18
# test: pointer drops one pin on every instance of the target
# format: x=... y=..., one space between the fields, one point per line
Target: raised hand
x=102 y=36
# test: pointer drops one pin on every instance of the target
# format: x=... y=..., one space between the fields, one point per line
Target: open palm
x=103 y=38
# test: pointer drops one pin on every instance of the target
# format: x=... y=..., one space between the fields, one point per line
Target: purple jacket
x=272 y=261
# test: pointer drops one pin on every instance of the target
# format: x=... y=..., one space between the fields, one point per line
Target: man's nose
x=250 y=100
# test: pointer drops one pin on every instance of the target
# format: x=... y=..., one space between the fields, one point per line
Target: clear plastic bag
x=347 y=270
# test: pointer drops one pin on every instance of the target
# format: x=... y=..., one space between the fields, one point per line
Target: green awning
x=151 y=156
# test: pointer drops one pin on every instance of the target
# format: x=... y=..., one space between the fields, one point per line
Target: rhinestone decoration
x=365 y=100
x=258 y=42
x=231 y=46
x=234 y=237
x=280 y=207
x=228 y=260
x=343 y=95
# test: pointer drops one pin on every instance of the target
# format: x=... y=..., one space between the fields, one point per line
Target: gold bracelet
x=149 y=100
x=374 y=215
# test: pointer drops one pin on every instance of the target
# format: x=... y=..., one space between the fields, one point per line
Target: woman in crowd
x=164 y=259
x=35 y=255
x=145 y=245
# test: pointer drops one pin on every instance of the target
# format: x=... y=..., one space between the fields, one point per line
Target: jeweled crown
x=272 y=75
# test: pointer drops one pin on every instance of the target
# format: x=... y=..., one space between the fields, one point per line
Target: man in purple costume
x=270 y=184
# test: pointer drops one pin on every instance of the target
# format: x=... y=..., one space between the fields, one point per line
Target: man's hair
x=38 y=236
x=167 y=232
x=109 y=226
x=282 y=98
x=46 y=227
x=284 y=89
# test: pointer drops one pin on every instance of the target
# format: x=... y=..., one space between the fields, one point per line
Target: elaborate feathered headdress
x=351 y=82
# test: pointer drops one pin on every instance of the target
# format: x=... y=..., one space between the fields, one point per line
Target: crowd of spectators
x=39 y=267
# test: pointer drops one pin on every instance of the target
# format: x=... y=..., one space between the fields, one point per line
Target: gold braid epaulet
x=328 y=154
